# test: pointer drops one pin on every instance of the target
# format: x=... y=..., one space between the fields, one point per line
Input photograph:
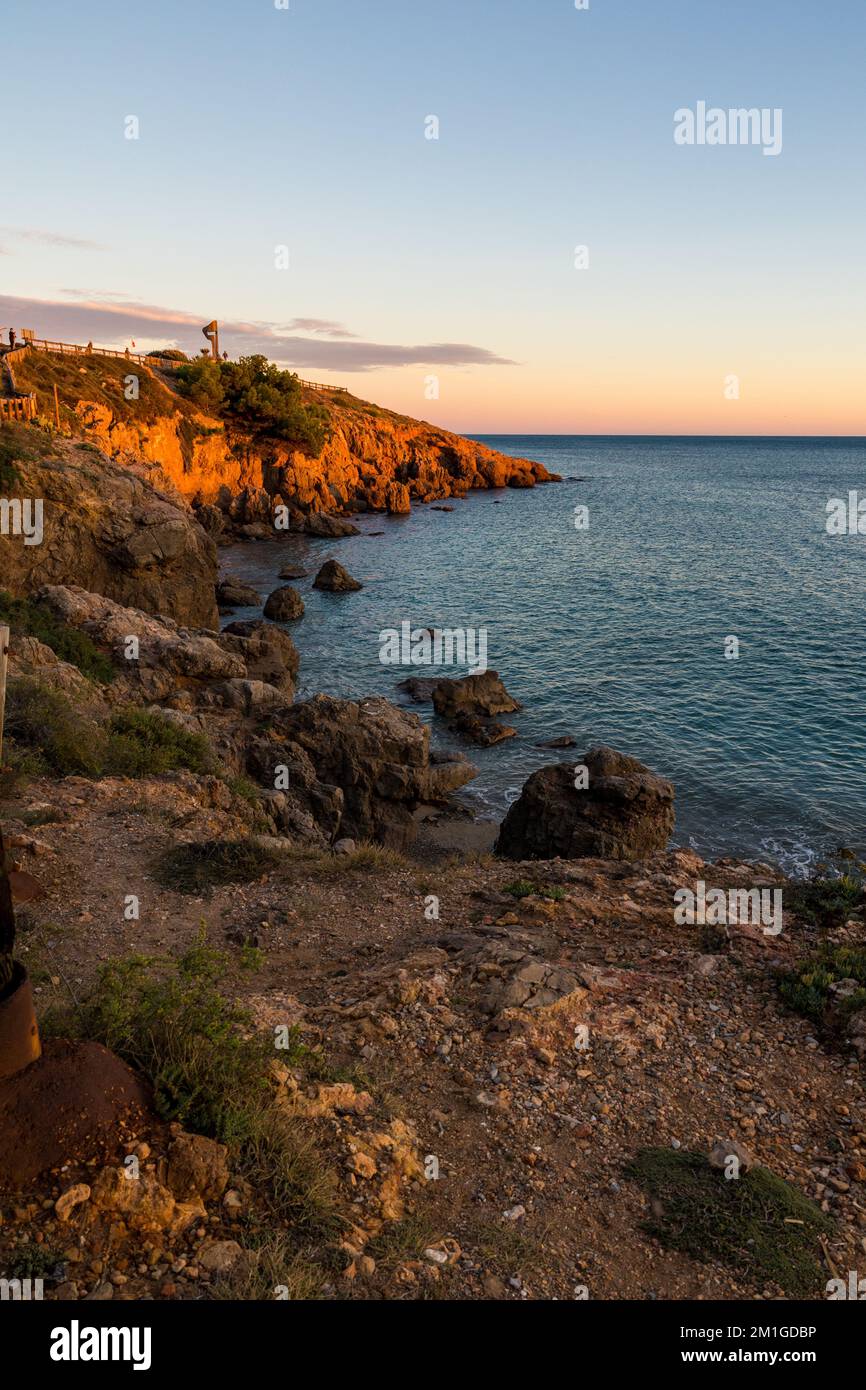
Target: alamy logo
x=77 y=1343
x=22 y=518
x=737 y=126
x=846 y=517
x=854 y=1290
x=720 y=907
x=434 y=646
x=21 y=1290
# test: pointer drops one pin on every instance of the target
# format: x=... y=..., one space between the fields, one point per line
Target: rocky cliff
x=108 y=526
x=374 y=459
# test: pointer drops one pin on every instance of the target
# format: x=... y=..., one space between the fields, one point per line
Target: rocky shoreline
x=351 y=1043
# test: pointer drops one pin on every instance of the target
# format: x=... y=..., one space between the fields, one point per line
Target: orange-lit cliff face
x=373 y=460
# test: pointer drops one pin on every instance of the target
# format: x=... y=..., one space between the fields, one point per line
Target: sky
x=725 y=290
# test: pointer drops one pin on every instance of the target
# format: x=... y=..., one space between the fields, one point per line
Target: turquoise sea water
x=617 y=633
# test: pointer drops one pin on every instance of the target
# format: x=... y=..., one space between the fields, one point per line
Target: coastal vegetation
x=174 y=1023
x=829 y=986
x=757 y=1223
x=50 y=734
x=258 y=395
x=29 y=618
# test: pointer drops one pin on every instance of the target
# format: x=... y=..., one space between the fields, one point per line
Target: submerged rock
x=419 y=688
x=482 y=694
x=284 y=605
x=232 y=593
x=626 y=812
x=484 y=733
x=335 y=580
x=329 y=527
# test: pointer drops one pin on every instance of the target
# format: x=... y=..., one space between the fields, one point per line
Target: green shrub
x=51 y=735
x=522 y=888
x=826 y=902
x=178 y=1029
x=806 y=989
x=757 y=1223
x=32 y=620
x=258 y=395
x=49 y=729
x=142 y=743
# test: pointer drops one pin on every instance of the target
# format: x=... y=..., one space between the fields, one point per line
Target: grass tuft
x=522 y=888
x=210 y=1072
x=198 y=868
x=757 y=1224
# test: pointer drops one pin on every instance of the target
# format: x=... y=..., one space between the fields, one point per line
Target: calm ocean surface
x=616 y=634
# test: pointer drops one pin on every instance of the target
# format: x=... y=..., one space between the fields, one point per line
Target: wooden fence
x=18 y=407
x=166 y=364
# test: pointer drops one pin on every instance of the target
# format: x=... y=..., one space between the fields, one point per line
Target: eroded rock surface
x=626 y=812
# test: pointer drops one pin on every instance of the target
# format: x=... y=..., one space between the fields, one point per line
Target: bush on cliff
x=142 y=743
x=47 y=728
x=809 y=989
x=30 y=619
x=827 y=901
x=55 y=737
x=258 y=395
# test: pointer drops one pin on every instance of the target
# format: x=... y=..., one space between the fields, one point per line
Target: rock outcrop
x=233 y=593
x=326 y=527
x=481 y=696
x=485 y=733
x=626 y=812
x=374 y=459
x=335 y=580
x=284 y=605
x=106 y=526
x=357 y=770
x=165 y=658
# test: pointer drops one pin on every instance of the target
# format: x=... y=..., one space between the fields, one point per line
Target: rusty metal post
x=4 y=660
x=19 y=1032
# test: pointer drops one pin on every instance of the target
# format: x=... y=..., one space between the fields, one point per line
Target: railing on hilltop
x=16 y=405
x=143 y=359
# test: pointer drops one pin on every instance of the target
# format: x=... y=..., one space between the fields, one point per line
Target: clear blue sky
x=306 y=127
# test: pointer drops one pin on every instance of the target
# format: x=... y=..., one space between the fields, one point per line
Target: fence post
x=4 y=656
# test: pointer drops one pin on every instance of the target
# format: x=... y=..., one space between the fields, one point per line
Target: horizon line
x=640 y=434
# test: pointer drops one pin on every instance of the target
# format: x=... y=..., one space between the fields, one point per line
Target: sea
x=688 y=601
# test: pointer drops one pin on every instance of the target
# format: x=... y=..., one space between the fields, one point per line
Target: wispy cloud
x=47 y=238
x=109 y=322
x=325 y=327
